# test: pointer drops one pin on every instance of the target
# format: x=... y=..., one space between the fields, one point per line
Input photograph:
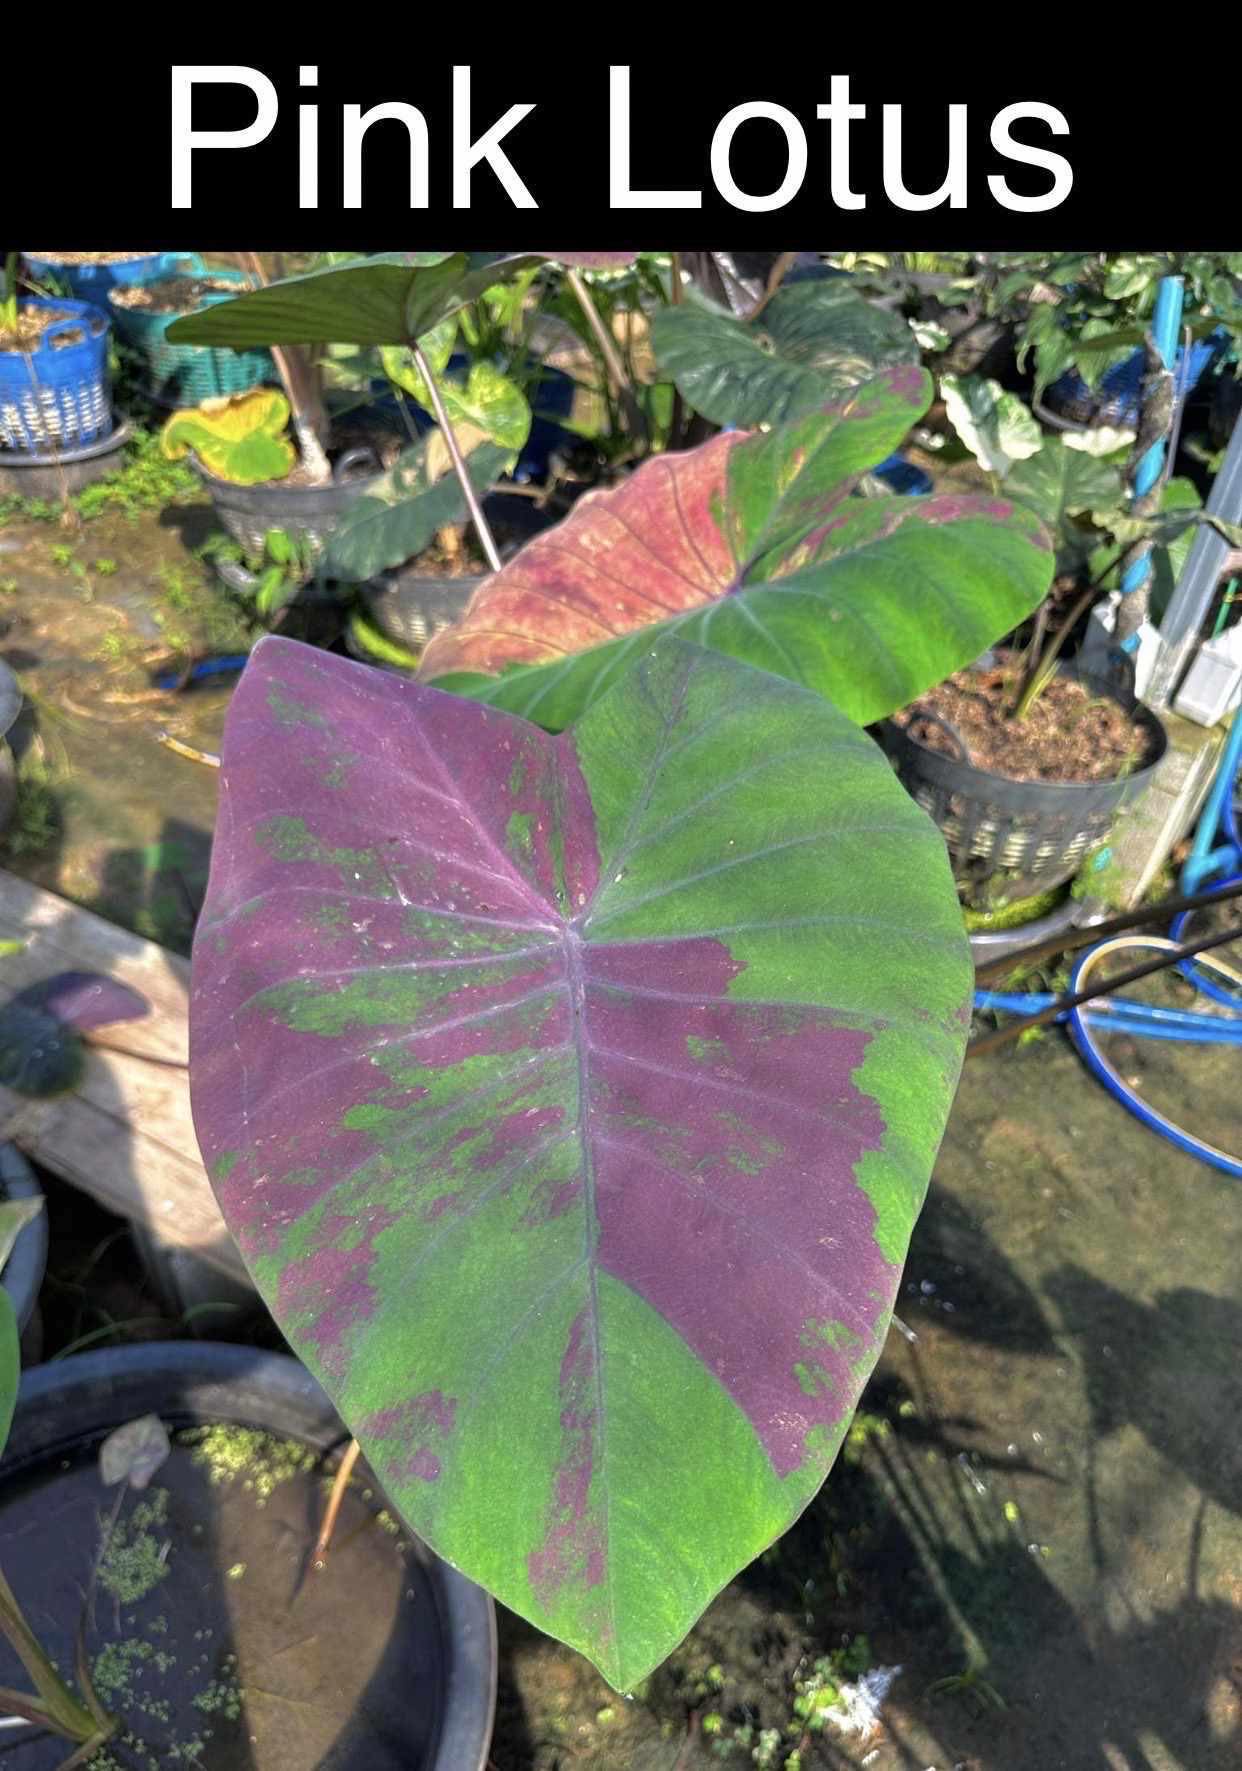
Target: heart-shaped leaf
x=812 y=343
x=1058 y=483
x=994 y=424
x=868 y=601
x=404 y=509
x=389 y=299
x=572 y=1099
x=240 y=439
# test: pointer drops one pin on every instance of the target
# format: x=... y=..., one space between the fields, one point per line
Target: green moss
x=115 y=1668
x=258 y=1461
x=135 y=1559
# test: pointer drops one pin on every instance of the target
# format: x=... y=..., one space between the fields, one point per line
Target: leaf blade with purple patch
x=755 y=547
x=572 y=1100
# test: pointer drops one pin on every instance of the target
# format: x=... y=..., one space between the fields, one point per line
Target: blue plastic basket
x=58 y=396
x=91 y=282
x=1117 y=398
x=188 y=374
x=903 y=477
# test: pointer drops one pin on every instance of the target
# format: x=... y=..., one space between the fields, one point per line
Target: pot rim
x=82 y=1398
x=972 y=772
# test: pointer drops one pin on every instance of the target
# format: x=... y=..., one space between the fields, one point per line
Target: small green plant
x=288 y=561
x=8 y=301
x=36 y=814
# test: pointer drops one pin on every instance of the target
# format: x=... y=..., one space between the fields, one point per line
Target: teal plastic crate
x=187 y=374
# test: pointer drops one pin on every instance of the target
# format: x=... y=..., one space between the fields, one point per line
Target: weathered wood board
x=125 y=1134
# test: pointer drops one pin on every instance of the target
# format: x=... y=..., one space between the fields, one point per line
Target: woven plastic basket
x=1118 y=395
x=91 y=282
x=58 y=396
x=188 y=374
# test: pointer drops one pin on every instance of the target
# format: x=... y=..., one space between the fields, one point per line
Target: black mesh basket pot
x=1038 y=830
x=411 y=609
x=306 y=514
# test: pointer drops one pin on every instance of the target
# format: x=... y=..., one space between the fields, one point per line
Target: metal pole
x=1166 y=323
x=1205 y=565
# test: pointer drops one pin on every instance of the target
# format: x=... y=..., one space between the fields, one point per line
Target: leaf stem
x=61 y=1708
x=776 y=276
x=481 y=529
x=612 y=357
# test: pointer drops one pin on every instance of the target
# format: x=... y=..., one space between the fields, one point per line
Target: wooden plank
x=125 y=1134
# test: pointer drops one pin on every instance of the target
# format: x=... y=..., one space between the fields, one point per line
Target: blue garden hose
x=1209 y=856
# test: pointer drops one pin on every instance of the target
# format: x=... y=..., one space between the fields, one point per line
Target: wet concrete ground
x=1039 y=1515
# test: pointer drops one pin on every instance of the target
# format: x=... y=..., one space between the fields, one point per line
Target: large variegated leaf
x=404 y=508
x=811 y=344
x=572 y=1100
x=755 y=547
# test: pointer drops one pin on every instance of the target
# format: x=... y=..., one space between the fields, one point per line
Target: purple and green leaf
x=754 y=546
x=572 y=1100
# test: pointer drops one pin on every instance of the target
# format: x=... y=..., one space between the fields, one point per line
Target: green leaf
x=1172 y=532
x=15 y=1214
x=994 y=424
x=10 y=1365
x=1058 y=483
x=401 y=513
x=755 y=546
x=572 y=1100
x=387 y=299
x=436 y=345
x=241 y=439
x=814 y=342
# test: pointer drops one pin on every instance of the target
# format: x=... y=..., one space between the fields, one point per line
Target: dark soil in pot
x=33 y=322
x=210 y=1634
x=171 y=295
x=1070 y=733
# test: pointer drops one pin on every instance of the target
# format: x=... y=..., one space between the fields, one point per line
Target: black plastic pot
x=384 y=1660
x=53 y=474
x=409 y=609
x=25 y=1267
x=1038 y=830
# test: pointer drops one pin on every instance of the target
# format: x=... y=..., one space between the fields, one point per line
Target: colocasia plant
x=572 y=1088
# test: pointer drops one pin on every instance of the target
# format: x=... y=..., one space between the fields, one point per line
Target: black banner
x=845 y=146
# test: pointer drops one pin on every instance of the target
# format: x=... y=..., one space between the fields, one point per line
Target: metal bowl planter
x=1039 y=830
x=91 y=282
x=188 y=374
x=306 y=514
x=58 y=395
